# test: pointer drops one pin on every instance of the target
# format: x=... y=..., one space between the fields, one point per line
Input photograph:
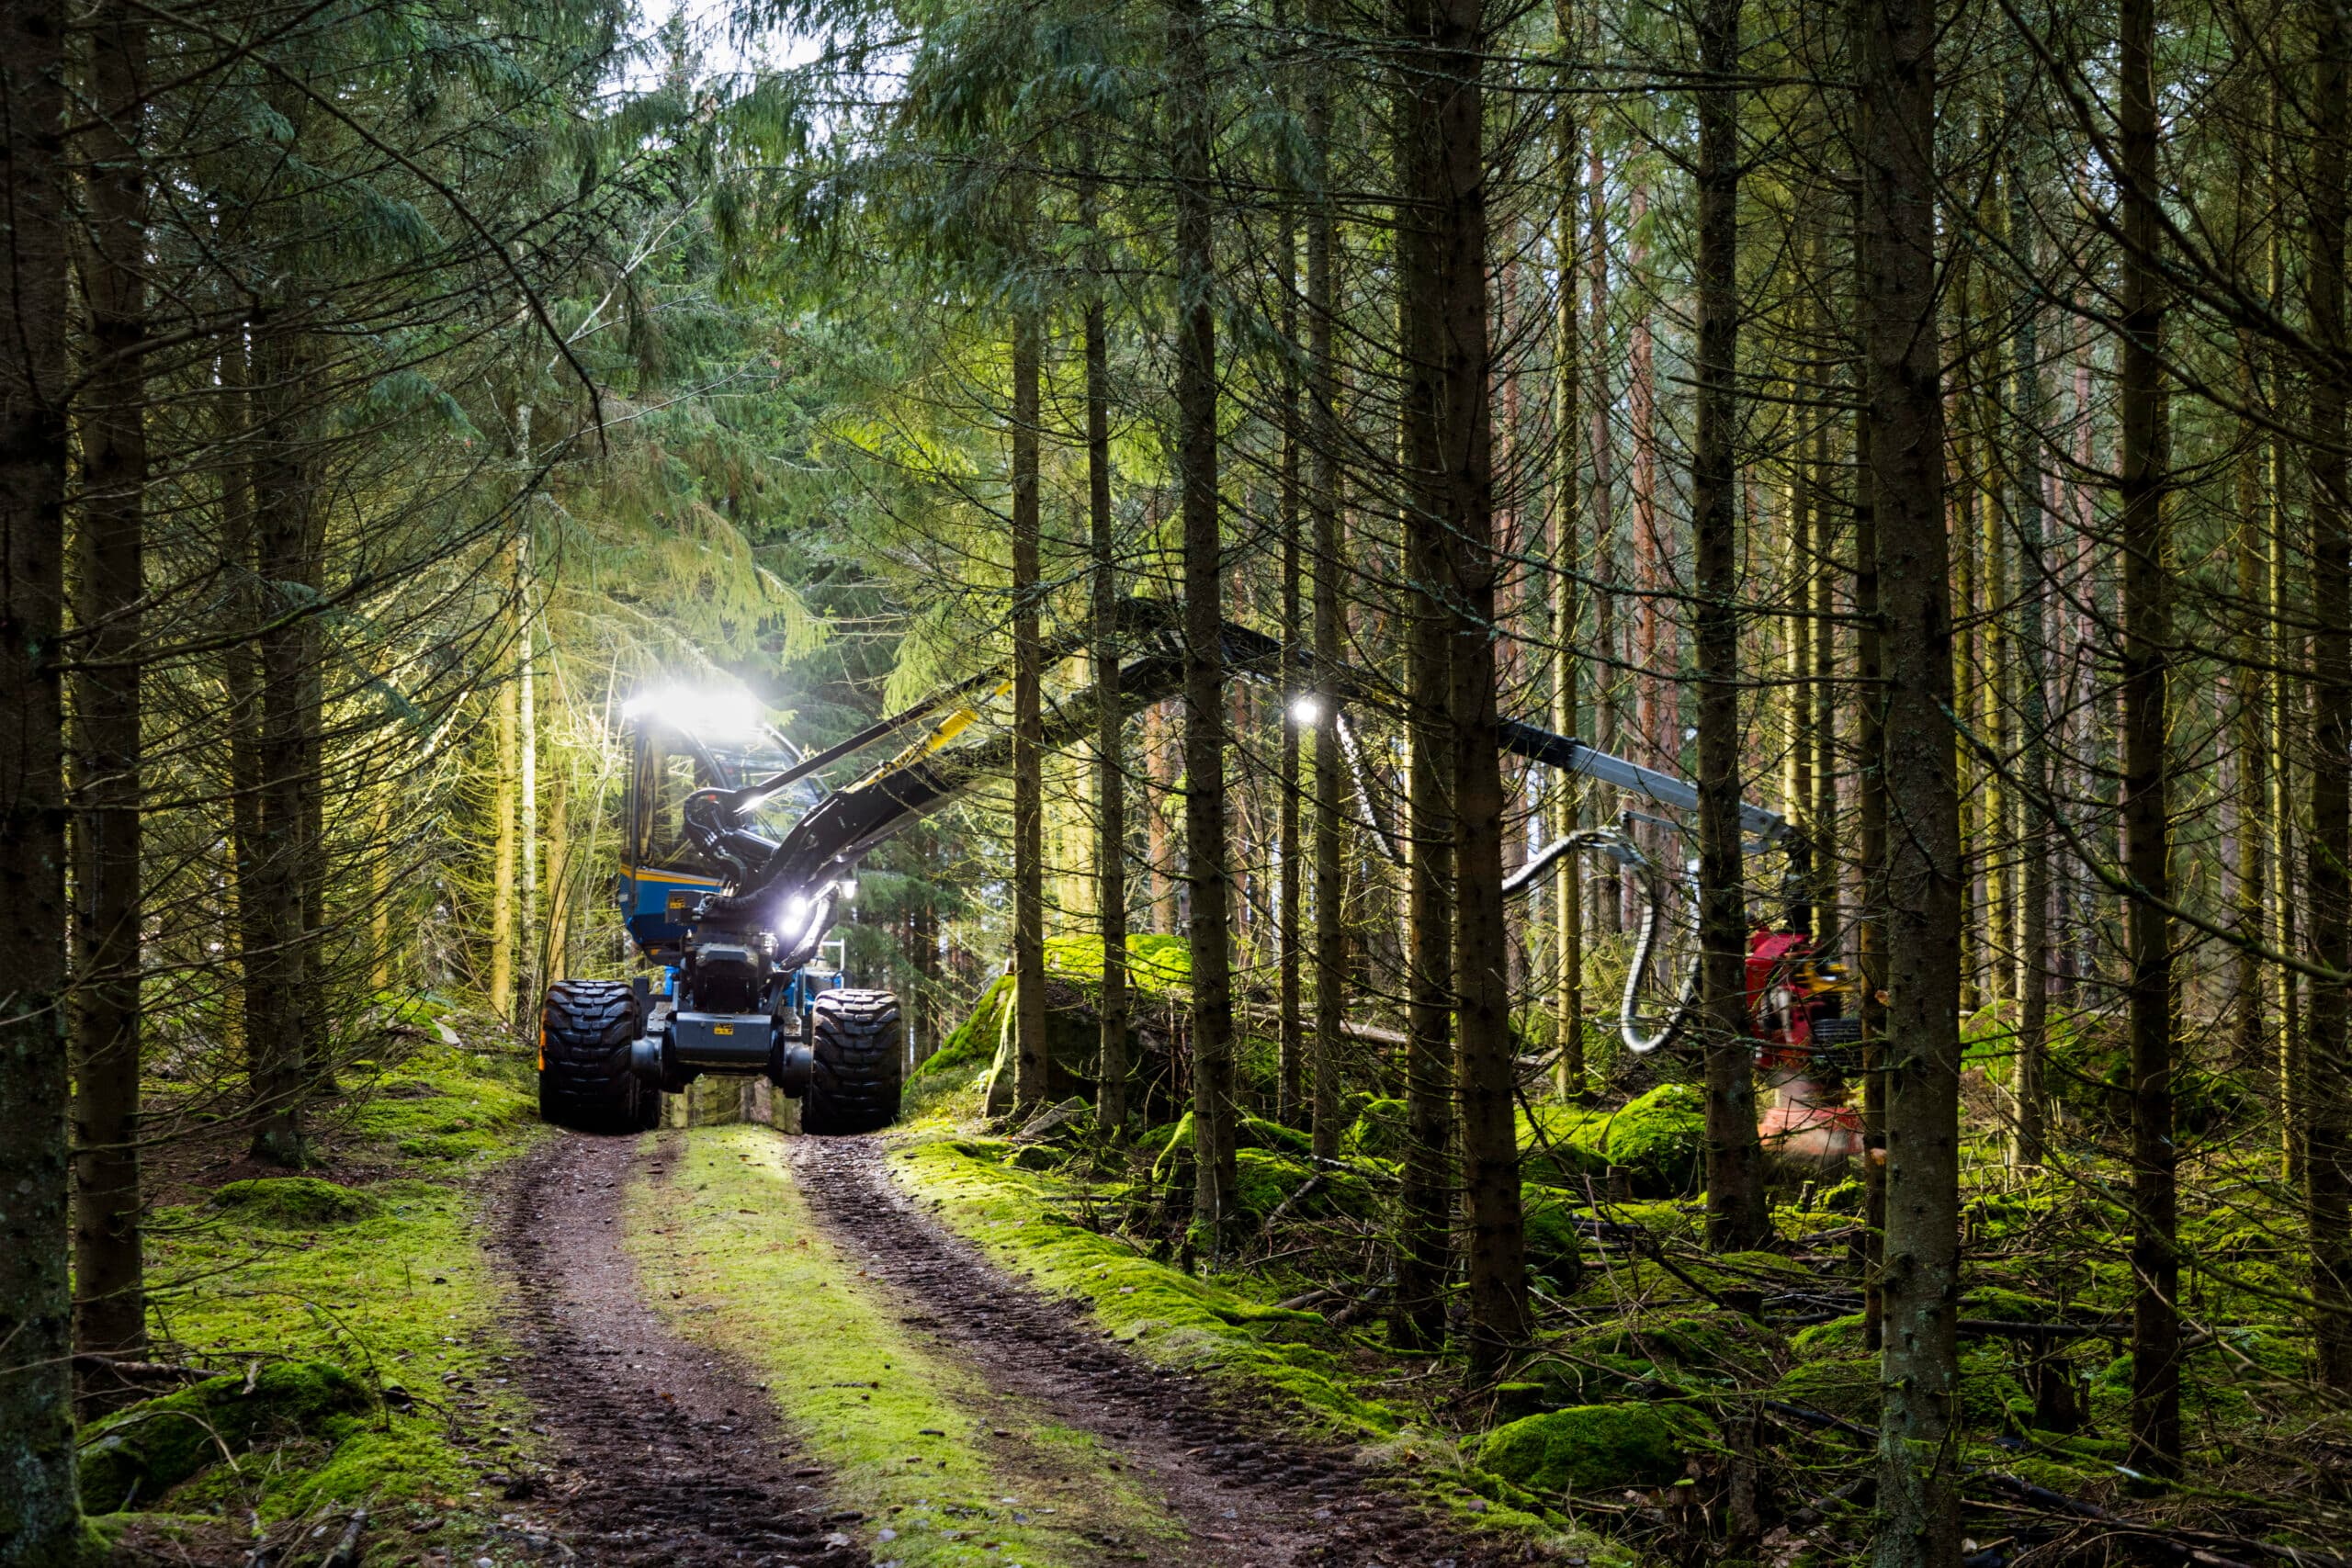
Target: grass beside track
x=381 y=1269
x=953 y=1472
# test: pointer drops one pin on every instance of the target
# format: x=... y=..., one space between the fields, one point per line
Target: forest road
x=664 y=1454
x=1246 y=1497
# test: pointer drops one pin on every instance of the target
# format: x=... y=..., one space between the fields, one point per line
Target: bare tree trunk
x=110 y=1305
x=2031 y=641
x=2327 y=1140
x=1160 y=843
x=1608 y=902
x=2147 y=636
x=1423 y=1219
x=36 y=1485
x=1030 y=1063
x=1567 y=430
x=1869 y=739
x=1110 y=760
x=1450 y=104
x=1919 y=1464
x=1290 y=1031
x=1737 y=1217
x=280 y=976
x=1323 y=498
x=504 y=802
x=1214 y=1208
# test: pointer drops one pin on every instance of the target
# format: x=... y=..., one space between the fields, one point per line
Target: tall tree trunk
x=278 y=974
x=1110 y=760
x=1737 y=1217
x=110 y=1307
x=1030 y=1059
x=529 y=943
x=1608 y=890
x=2031 y=641
x=1160 y=757
x=1567 y=430
x=1451 y=101
x=1423 y=1219
x=1918 y=1486
x=2147 y=638
x=1869 y=739
x=1323 y=500
x=2327 y=1140
x=1213 y=1208
x=37 y=1480
x=1290 y=1030
x=505 y=799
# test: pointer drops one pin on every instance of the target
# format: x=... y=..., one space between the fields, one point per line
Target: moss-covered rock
x=1661 y=1138
x=1845 y=1385
x=1267 y=1179
x=1562 y=1144
x=145 y=1450
x=1377 y=1132
x=1257 y=1133
x=1593 y=1447
x=1554 y=1249
x=295 y=1203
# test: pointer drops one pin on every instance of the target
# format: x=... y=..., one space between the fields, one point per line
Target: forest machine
x=733 y=901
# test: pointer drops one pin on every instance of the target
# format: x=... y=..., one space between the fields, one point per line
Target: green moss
x=295 y=1203
x=1377 y=1132
x=975 y=1040
x=1159 y=1312
x=1257 y=1133
x=1661 y=1138
x=1840 y=1385
x=1838 y=1333
x=401 y=1296
x=1562 y=1144
x=153 y=1445
x=911 y=1435
x=1554 y=1249
x=1590 y=1448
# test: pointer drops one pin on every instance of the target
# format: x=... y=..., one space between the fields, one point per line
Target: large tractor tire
x=852 y=1063
x=585 y=1028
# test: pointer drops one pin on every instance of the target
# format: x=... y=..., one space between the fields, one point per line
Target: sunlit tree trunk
x=1323 y=500
x=1030 y=1062
x=2034 y=842
x=1215 y=1213
x=505 y=800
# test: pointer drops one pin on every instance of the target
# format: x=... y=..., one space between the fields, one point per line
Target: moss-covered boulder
x=1845 y=1385
x=1555 y=1248
x=1268 y=1180
x=1563 y=1144
x=1257 y=1133
x=1661 y=1138
x=1594 y=1447
x=295 y=1203
x=143 y=1451
x=1377 y=1132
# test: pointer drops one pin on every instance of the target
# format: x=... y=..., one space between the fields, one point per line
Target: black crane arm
x=790 y=887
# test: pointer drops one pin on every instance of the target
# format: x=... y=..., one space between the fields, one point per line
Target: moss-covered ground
x=372 y=1279
x=1633 y=1314
x=945 y=1470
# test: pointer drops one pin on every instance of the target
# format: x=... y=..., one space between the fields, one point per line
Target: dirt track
x=664 y=1454
x=669 y=1455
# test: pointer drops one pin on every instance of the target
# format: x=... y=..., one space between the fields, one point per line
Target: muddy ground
x=663 y=1453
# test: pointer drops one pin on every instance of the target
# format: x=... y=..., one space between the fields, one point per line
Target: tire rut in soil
x=1246 y=1496
x=665 y=1454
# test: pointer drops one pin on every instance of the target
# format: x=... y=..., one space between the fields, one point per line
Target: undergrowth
x=381 y=1286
